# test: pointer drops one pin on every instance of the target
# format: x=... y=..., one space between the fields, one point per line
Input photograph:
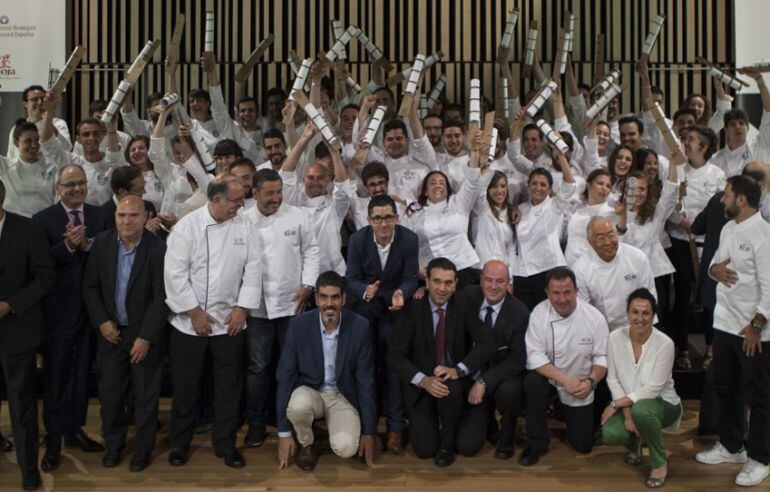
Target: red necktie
x=440 y=337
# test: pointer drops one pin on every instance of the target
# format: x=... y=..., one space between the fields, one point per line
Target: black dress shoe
x=111 y=459
x=504 y=452
x=6 y=445
x=32 y=482
x=530 y=456
x=80 y=440
x=51 y=459
x=255 y=437
x=178 y=456
x=233 y=458
x=139 y=463
x=445 y=457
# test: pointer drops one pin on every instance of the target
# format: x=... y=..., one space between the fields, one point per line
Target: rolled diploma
x=513 y=16
x=475 y=105
x=505 y=97
x=299 y=81
x=374 y=125
x=568 y=36
x=320 y=123
x=552 y=136
x=657 y=25
x=372 y=48
x=169 y=100
x=564 y=54
x=436 y=92
x=141 y=56
x=667 y=123
x=116 y=101
x=492 y=145
x=295 y=69
x=727 y=79
x=541 y=98
x=531 y=44
x=352 y=84
x=208 y=44
x=423 y=106
x=414 y=76
x=603 y=101
x=609 y=80
x=337 y=33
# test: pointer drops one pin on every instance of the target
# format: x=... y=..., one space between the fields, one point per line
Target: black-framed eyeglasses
x=378 y=219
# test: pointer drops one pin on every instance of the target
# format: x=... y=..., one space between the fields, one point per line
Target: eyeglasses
x=378 y=219
x=73 y=184
x=236 y=201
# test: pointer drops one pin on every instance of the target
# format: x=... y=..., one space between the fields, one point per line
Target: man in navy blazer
x=70 y=226
x=326 y=370
x=381 y=274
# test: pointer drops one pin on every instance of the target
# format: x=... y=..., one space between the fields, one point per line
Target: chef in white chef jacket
x=610 y=271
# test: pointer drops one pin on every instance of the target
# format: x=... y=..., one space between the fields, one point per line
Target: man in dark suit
x=381 y=274
x=326 y=370
x=26 y=274
x=126 y=301
x=128 y=181
x=437 y=343
x=70 y=226
x=499 y=385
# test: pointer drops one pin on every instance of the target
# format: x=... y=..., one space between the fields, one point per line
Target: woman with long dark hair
x=493 y=228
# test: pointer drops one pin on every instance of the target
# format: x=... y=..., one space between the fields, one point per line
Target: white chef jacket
x=123 y=139
x=29 y=187
x=523 y=164
x=577 y=239
x=214 y=266
x=606 y=285
x=290 y=255
x=173 y=177
x=97 y=173
x=647 y=379
x=538 y=233
x=572 y=345
x=755 y=148
x=442 y=228
x=407 y=172
x=517 y=182
x=702 y=183
x=250 y=142
x=12 y=152
x=646 y=236
x=493 y=238
x=748 y=246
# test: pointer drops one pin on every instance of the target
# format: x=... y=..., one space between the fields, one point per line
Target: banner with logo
x=32 y=40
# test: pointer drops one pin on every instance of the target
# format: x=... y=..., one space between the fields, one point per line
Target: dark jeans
x=66 y=367
x=264 y=343
x=19 y=370
x=580 y=420
x=119 y=378
x=187 y=363
x=741 y=380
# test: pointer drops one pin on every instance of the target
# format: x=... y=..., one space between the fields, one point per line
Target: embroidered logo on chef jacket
x=47 y=175
x=744 y=247
x=630 y=276
x=290 y=233
x=158 y=186
x=102 y=180
x=239 y=241
x=408 y=175
x=585 y=341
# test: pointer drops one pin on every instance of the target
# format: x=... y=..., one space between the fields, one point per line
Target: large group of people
x=419 y=275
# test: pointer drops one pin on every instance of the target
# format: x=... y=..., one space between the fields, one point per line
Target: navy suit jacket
x=64 y=305
x=364 y=267
x=302 y=364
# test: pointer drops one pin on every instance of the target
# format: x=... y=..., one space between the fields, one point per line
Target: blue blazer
x=64 y=305
x=364 y=266
x=302 y=364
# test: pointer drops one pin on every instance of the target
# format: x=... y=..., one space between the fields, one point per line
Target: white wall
x=752 y=37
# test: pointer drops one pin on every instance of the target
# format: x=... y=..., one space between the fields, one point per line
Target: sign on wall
x=32 y=39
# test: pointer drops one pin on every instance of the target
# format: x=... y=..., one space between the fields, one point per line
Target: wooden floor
x=561 y=469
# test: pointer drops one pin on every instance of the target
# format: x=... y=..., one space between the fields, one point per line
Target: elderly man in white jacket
x=291 y=251
x=213 y=276
x=610 y=271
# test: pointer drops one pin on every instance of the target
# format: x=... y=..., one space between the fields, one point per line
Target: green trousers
x=650 y=417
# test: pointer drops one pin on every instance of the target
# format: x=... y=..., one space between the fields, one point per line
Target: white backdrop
x=32 y=36
x=752 y=38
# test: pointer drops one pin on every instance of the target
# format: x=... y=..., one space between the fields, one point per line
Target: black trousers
x=66 y=367
x=187 y=358
x=530 y=290
x=580 y=420
x=121 y=383
x=19 y=370
x=433 y=421
x=663 y=287
x=740 y=380
x=478 y=420
x=684 y=277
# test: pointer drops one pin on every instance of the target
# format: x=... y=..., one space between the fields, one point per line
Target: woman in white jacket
x=493 y=229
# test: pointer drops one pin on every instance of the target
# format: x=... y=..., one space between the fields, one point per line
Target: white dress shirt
x=290 y=255
x=649 y=377
x=214 y=266
x=573 y=345
x=606 y=285
x=747 y=245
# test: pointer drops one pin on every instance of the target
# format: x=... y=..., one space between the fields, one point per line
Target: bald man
x=499 y=384
x=125 y=298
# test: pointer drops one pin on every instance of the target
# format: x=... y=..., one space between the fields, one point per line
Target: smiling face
x=640 y=316
x=562 y=294
x=494 y=281
x=316 y=180
x=330 y=300
x=383 y=221
x=436 y=188
x=532 y=144
x=72 y=186
x=28 y=144
x=275 y=149
x=651 y=165
x=432 y=127
x=599 y=189
x=698 y=104
x=630 y=134
x=539 y=188
x=34 y=104
x=498 y=190
x=269 y=196
x=247 y=115
x=441 y=285
x=640 y=192
x=347 y=120
x=603 y=239
x=90 y=136
x=603 y=137
x=623 y=163
x=736 y=132
x=137 y=153
x=453 y=139
x=396 y=143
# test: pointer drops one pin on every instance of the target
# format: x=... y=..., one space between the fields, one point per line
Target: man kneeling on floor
x=326 y=370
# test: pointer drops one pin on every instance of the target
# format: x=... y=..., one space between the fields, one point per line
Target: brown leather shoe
x=394 y=443
x=305 y=458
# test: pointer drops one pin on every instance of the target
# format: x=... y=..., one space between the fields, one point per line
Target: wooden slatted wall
x=468 y=32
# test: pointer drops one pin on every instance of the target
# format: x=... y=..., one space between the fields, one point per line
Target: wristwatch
x=757 y=327
x=481 y=382
x=308 y=288
x=613 y=404
x=461 y=373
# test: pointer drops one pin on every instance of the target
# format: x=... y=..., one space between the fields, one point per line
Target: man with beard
x=741 y=363
x=375 y=178
x=276 y=99
x=274 y=144
x=433 y=124
x=32 y=99
x=291 y=253
x=341 y=389
x=244 y=169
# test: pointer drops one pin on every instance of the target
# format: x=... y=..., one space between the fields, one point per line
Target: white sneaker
x=753 y=473
x=720 y=454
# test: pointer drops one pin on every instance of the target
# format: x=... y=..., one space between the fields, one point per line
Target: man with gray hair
x=610 y=271
x=212 y=277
